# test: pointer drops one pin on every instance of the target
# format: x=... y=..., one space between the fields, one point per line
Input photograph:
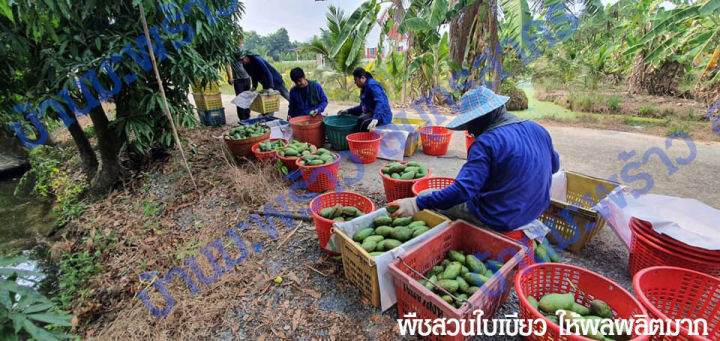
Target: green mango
x=457 y=256
x=317 y=162
x=533 y=302
x=462 y=284
x=384 y=231
x=401 y=233
x=475 y=279
x=389 y=244
x=445 y=262
x=600 y=308
x=339 y=219
x=432 y=280
x=494 y=265
x=407 y=176
x=382 y=220
x=395 y=176
x=447 y=298
x=326 y=212
x=462 y=297
x=449 y=285
x=436 y=270
x=551 y=303
x=374 y=238
x=471 y=290
x=376 y=253
x=413 y=164
x=452 y=270
x=474 y=264
x=417 y=223
x=323 y=151
x=464 y=270
x=580 y=309
x=362 y=234
x=369 y=245
x=402 y=221
x=420 y=230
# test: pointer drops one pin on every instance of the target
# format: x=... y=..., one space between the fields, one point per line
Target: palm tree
x=342 y=41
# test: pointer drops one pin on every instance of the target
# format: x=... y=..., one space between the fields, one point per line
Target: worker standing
x=262 y=72
x=505 y=183
x=374 y=109
x=306 y=97
x=239 y=78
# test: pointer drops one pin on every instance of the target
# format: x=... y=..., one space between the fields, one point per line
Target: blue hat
x=476 y=103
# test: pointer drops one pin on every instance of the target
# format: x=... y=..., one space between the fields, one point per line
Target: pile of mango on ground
x=389 y=233
x=460 y=274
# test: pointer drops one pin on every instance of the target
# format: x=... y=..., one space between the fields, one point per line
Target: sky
x=301 y=18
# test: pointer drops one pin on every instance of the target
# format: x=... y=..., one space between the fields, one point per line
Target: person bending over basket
x=374 y=109
x=306 y=97
x=505 y=183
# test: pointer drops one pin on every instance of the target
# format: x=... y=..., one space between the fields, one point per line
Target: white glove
x=313 y=112
x=406 y=207
x=372 y=125
x=342 y=112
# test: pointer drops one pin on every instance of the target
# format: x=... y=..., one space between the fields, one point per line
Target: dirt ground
x=314 y=300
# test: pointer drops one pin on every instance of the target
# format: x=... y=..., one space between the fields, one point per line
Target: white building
x=371 y=43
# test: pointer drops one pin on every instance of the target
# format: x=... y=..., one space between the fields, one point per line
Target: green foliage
x=647 y=111
x=85 y=33
x=74 y=276
x=89 y=131
x=45 y=178
x=24 y=312
x=613 y=103
x=275 y=46
x=583 y=102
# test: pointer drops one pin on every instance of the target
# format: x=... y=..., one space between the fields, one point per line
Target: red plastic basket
x=324 y=225
x=413 y=297
x=469 y=139
x=541 y=279
x=396 y=188
x=320 y=178
x=266 y=156
x=308 y=129
x=645 y=253
x=645 y=228
x=677 y=293
x=365 y=146
x=431 y=183
x=435 y=140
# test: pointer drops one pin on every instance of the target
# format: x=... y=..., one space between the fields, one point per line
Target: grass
x=682 y=127
x=645 y=121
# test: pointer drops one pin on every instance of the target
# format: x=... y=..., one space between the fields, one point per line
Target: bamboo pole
x=162 y=93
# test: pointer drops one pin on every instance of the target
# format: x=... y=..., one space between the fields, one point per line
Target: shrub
x=684 y=127
x=613 y=103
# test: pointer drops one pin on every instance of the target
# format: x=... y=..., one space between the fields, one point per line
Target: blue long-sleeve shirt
x=374 y=100
x=506 y=180
x=262 y=72
x=300 y=100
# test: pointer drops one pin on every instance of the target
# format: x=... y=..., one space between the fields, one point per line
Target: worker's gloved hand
x=406 y=207
x=372 y=125
x=342 y=112
x=313 y=112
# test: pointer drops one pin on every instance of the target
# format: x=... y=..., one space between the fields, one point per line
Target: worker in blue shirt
x=306 y=97
x=374 y=109
x=262 y=72
x=505 y=183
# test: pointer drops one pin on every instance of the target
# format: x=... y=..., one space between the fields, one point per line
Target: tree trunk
x=87 y=155
x=636 y=79
x=107 y=174
x=497 y=54
x=460 y=30
x=405 y=67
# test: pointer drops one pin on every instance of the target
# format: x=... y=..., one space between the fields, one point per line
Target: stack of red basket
x=650 y=248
